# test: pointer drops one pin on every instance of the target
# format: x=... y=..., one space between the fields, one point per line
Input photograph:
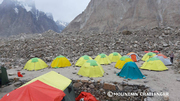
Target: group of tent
x=93 y=68
x=55 y=87
x=152 y=61
x=129 y=69
x=86 y=62
x=48 y=87
x=37 y=63
x=155 y=62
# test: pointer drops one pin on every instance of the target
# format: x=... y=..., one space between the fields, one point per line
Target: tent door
x=133 y=57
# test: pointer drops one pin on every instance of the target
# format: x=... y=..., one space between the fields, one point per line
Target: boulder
x=77 y=85
x=109 y=86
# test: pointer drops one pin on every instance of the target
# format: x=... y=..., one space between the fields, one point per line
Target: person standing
x=171 y=56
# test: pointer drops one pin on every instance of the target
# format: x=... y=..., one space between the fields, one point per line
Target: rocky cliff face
x=118 y=15
x=16 y=18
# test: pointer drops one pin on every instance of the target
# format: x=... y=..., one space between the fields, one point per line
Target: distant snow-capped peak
x=62 y=23
x=28 y=5
x=28 y=8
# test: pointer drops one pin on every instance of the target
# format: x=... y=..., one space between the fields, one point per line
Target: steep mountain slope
x=16 y=18
x=118 y=15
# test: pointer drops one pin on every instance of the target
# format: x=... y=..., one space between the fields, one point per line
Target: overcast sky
x=64 y=10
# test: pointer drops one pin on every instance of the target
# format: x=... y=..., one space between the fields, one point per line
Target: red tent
x=36 y=91
x=147 y=51
x=156 y=51
x=86 y=97
x=152 y=51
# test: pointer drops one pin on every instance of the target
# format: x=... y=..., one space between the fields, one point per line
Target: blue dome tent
x=130 y=71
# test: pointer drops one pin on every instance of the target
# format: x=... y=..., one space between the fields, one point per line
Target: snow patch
x=25 y=4
x=37 y=15
x=62 y=23
x=16 y=10
x=28 y=8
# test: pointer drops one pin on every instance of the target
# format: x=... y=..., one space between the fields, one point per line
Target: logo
x=82 y=99
x=110 y=94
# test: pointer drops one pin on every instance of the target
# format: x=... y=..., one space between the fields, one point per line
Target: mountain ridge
x=119 y=15
x=17 y=17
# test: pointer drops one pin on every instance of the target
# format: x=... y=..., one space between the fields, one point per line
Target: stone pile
x=103 y=91
x=16 y=50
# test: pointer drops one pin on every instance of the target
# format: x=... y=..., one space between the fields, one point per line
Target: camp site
x=89 y=50
x=68 y=81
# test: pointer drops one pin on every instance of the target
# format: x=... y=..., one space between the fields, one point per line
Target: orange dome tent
x=133 y=56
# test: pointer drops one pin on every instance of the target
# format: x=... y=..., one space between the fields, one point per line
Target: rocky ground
x=16 y=50
x=104 y=91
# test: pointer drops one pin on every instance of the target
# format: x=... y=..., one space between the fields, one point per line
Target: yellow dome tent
x=58 y=81
x=82 y=60
x=114 y=57
x=123 y=60
x=102 y=59
x=91 y=69
x=148 y=55
x=154 y=64
x=60 y=61
x=35 y=64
